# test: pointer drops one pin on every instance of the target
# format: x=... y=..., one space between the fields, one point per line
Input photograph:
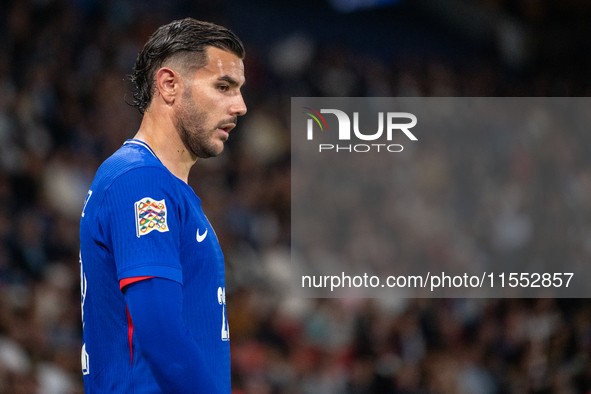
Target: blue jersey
x=139 y=220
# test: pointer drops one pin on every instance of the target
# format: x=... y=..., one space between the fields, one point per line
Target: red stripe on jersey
x=129 y=333
x=127 y=281
x=122 y=284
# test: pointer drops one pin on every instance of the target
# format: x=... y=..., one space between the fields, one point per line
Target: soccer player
x=151 y=267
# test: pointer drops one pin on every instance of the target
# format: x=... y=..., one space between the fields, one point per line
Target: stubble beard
x=190 y=123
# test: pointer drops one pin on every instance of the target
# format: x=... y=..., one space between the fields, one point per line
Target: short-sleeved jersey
x=140 y=220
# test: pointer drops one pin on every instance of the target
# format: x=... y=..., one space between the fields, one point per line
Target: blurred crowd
x=63 y=93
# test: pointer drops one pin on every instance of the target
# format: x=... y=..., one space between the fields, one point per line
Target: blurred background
x=63 y=89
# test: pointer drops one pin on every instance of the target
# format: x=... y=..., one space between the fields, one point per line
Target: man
x=151 y=268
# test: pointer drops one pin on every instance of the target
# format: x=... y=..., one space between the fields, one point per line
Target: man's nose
x=239 y=107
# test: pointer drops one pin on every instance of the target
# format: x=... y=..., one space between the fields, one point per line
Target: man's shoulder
x=125 y=159
x=132 y=173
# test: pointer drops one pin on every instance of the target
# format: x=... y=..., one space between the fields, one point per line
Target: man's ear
x=167 y=84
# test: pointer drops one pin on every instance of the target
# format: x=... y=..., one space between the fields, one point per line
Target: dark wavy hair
x=185 y=41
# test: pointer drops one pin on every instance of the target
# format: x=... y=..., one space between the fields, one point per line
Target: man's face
x=211 y=102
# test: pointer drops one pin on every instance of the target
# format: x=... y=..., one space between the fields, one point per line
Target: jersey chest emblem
x=150 y=215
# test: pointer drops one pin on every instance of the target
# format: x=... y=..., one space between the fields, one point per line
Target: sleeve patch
x=150 y=215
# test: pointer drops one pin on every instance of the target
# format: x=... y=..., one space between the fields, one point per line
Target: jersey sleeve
x=140 y=216
x=175 y=359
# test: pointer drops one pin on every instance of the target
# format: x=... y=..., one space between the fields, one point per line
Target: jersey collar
x=141 y=143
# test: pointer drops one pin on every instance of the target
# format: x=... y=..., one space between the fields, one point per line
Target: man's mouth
x=227 y=127
x=225 y=130
x=227 y=124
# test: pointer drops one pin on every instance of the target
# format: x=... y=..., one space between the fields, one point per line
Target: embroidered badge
x=150 y=215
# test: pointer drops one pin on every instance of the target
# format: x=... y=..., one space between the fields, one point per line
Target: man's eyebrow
x=230 y=80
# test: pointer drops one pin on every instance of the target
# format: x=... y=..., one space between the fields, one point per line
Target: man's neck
x=160 y=135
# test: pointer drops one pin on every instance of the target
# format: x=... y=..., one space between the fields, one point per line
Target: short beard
x=190 y=123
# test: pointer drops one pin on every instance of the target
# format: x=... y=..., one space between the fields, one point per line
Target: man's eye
x=223 y=88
